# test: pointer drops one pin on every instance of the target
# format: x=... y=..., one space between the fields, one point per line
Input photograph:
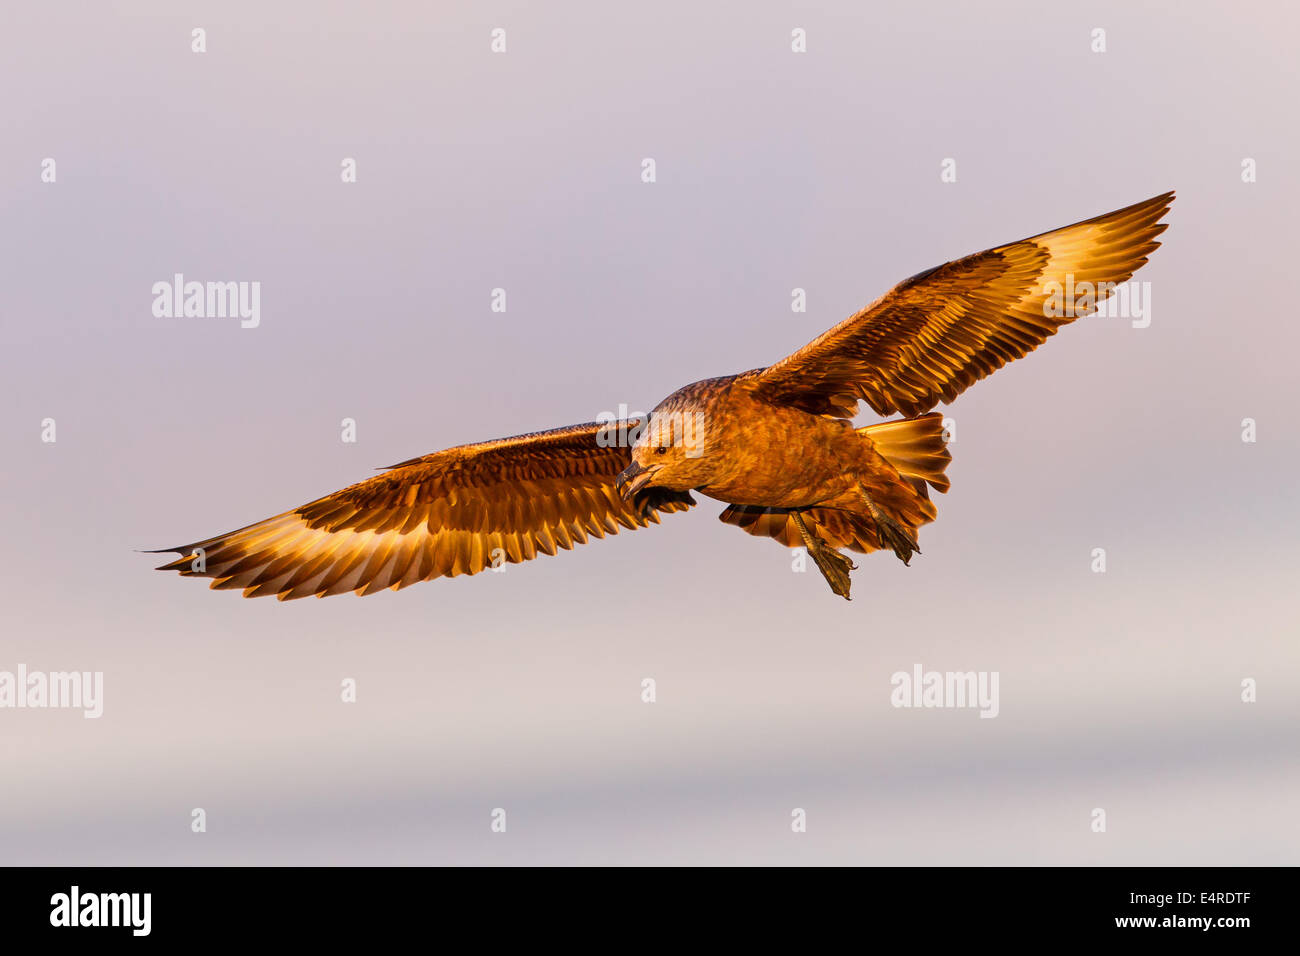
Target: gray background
x=522 y=690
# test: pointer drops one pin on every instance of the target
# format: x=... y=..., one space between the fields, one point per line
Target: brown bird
x=774 y=443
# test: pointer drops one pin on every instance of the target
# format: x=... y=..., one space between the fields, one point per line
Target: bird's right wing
x=456 y=511
x=937 y=333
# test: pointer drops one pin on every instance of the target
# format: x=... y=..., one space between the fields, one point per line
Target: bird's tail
x=917 y=447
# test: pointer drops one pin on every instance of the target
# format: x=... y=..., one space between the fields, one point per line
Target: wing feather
x=454 y=512
x=937 y=333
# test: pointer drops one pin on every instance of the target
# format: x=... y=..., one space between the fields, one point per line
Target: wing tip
x=176 y=564
x=179 y=549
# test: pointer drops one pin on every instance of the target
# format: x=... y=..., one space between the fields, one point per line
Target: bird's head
x=669 y=452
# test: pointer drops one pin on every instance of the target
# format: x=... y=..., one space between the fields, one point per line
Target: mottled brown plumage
x=773 y=443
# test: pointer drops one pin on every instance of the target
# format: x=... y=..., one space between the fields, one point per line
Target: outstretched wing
x=934 y=335
x=453 y=512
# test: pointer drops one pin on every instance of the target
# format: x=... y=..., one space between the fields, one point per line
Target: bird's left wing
x=934 y=335
x=454 y=512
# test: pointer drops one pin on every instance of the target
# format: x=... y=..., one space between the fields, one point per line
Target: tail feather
x=916 y=447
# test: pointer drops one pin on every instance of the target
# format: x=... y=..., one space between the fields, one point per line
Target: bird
x=777 y=445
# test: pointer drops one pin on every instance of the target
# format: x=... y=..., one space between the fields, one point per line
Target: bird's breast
x=781 y=457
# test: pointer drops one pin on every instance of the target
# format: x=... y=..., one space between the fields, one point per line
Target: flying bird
x=775 y=444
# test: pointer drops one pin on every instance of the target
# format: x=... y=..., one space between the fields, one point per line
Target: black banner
x=177 y=905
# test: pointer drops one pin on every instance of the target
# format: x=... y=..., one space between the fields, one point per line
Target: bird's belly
x=754 y=491
x=794 y=468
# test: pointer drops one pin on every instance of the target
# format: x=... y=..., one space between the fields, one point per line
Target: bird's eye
x=661 y=450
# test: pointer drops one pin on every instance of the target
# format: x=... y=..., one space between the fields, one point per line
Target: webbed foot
x=897 y=538
x=834 y=566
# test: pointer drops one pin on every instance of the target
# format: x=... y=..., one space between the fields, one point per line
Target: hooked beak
x=632 y=479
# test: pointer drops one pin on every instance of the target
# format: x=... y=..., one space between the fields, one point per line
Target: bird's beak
x=633 y=479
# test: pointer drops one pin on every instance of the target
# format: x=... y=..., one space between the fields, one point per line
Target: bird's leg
x=891 y=533
x=834 y=566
